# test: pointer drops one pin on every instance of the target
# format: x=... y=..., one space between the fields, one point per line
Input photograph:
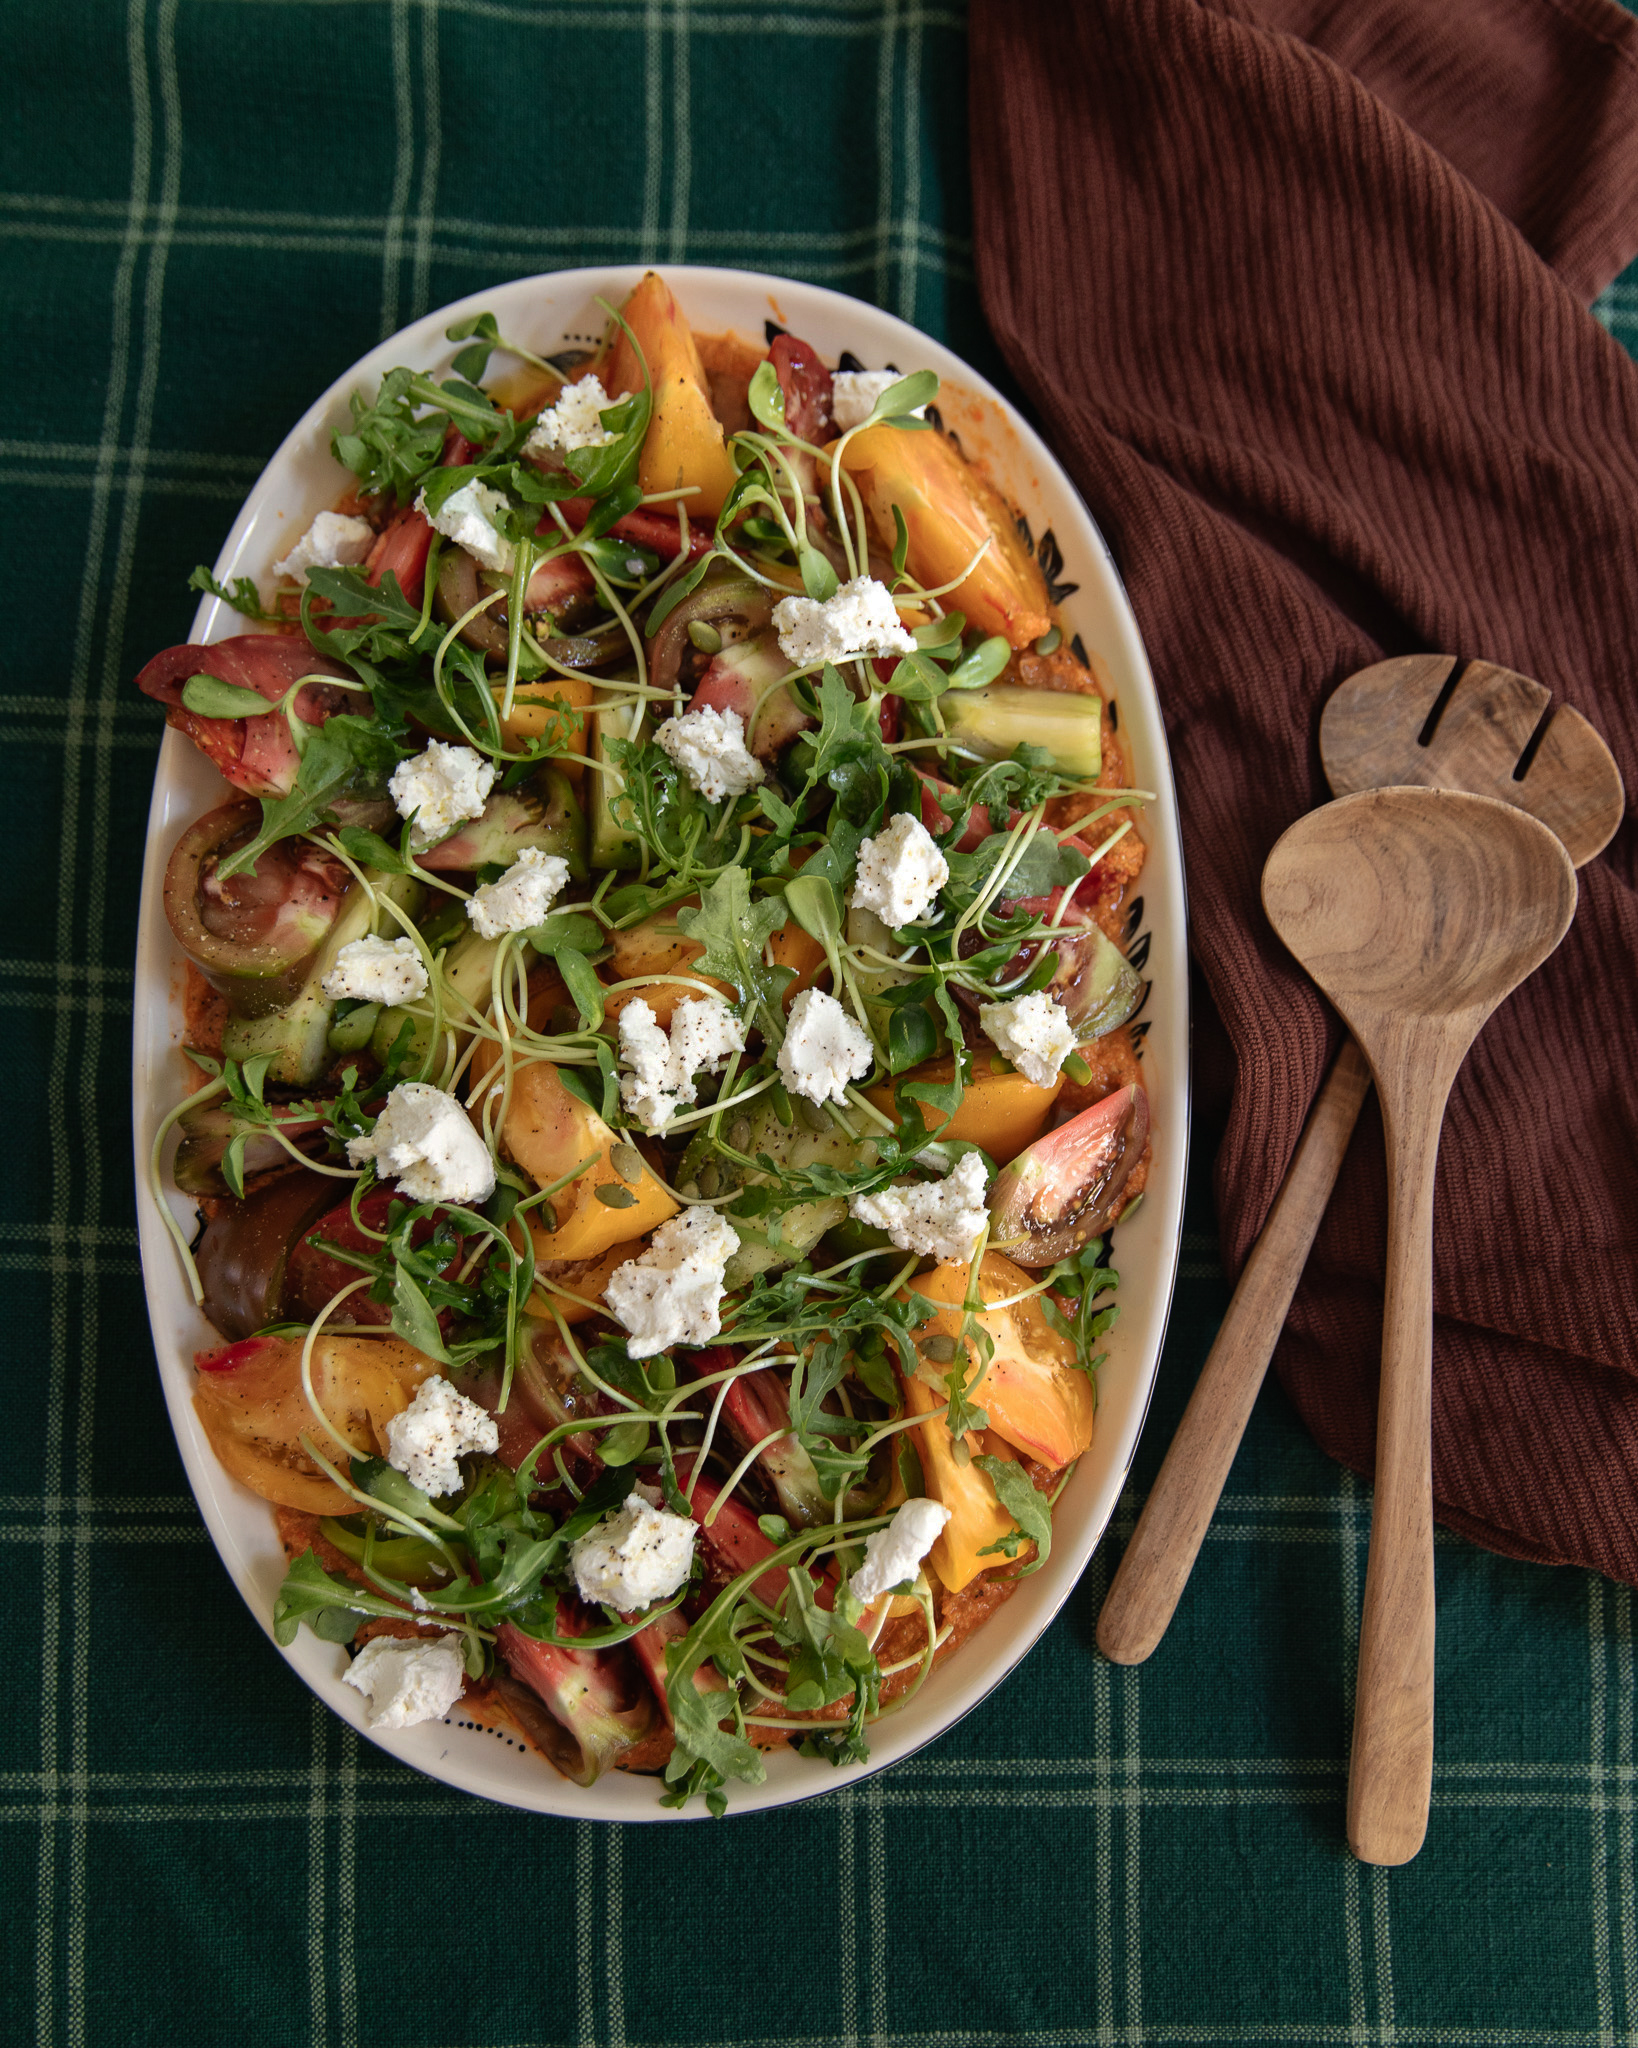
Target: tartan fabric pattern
x=208 y=208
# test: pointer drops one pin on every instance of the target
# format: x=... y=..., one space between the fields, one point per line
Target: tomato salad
x=660 y=1028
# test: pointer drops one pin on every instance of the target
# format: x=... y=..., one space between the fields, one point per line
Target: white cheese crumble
x=467 y=517
x=671 y=1293
x=860 y=619
x=406 y=1680
x=377 y=971
x=520 y=899
x=940 y=1219
x=446 y=785
x=709 y=747
x=894 y=1554
x=900 y=873
x=703 y=1034
x=639 y=1555
x=853 y=396
x=439 y=1426
x=1034 y=1032
x=335 y=540
x=824 y=1048
x=424 y=1140
x=573 y=421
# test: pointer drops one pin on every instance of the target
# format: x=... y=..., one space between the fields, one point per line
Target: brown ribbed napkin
x=1297 y=290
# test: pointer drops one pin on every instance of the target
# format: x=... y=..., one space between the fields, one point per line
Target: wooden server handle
x=1390 y=1769
x=1175 y=1517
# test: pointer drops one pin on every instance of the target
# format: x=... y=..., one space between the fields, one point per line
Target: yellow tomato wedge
x=1032 y=1391
x=1000 y=1111
x=548 y=1131
x=585 y=1278
x=977 y=1518
x=949 y=513
x=250 y=1402
x=684 y=447
x=657 y=947
x=539 y=707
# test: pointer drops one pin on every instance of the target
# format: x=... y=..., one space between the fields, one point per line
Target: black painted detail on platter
x=1024 y=533
x=1138 y=956
x=1114 y=717
x=1139 y=1033
x=772 y=330
x=849 y=361
x=1077 y=647
x=1142 y=1002
x=935 y=419
x=1134 y=917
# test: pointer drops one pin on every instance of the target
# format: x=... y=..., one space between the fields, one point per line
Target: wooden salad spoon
x=1416 y=911
x=1426 y=719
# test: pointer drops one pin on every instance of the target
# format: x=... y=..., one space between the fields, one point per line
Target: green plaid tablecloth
x=207 y=209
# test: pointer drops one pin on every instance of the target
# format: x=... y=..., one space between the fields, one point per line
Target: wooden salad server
x=1416 y=911
x=1425 y=719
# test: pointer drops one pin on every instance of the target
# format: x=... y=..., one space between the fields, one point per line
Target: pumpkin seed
x=627 y=1162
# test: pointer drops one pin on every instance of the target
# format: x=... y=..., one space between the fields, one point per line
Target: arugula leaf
x=345 y=753
x=389 y=450
x=331 y=1607
x=1043 y=865
x=830 y=1659
x=1029 y=1509
x=351 y=594
x=733 y=930
x=241 y=594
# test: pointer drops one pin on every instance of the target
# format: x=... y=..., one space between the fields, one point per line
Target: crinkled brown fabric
x=1297 y=288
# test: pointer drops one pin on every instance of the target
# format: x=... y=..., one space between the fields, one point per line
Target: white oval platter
x=303 y=478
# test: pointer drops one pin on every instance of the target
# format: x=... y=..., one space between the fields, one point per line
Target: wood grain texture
x=1370 y=734
x=1149 y=1583
x=1371 y=737
x=1416 y=911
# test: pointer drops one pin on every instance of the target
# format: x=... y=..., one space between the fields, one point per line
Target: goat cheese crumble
x=467 y=517
x=377 y=971
x=445 y=785
x=900 y=873
x=520 y=899
x=662 y=1066
x=573 y=421
x=638 y=1555
x=424 y=1140
x=894 y=1554
x=854 y=393
x=406 y=1680
x=671 y=1293
x=860 y=619
x=824 y=1048
x=709 y=747
x=1033 y=1031
x=335 y=540
x=439 y=1426
x=940 y=1219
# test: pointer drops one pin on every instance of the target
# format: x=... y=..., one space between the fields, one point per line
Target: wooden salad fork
x=1416 y=911
x=1424 y=719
